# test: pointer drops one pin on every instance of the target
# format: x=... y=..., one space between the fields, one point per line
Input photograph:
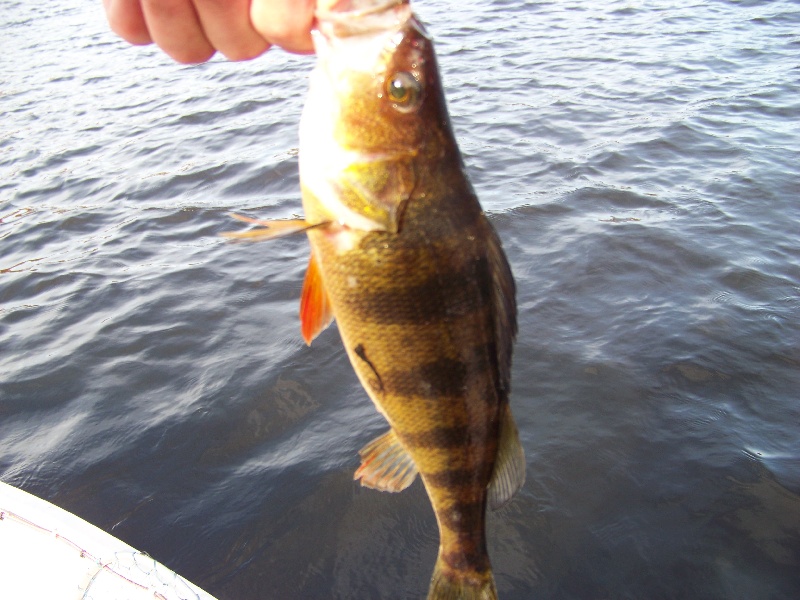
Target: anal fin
x=315 y=307
x=385 y=465
x=509 y=466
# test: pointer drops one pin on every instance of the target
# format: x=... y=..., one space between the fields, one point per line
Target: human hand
x=191 y=31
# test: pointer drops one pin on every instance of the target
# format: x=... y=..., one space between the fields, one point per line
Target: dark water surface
x=641 y=161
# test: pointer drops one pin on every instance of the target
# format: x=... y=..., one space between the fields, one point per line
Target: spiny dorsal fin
x=504 y=304
x=385 y=464
x=509 y=467
x=315 y=307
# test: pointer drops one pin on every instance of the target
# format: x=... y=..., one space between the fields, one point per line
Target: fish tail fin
x=447 y=584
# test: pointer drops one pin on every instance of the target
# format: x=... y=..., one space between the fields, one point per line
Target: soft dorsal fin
x=385 y=464
x=315 y=307
x=509 y=466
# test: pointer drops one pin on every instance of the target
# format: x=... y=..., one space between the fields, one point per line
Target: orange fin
x=269 y=229
x=385 y=465
x=315 y=307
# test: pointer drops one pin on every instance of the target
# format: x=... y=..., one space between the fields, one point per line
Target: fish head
x=374 y=117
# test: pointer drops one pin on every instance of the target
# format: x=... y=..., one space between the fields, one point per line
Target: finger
x=126 y=19
x=285 y=23
x=175 y=27
x=227 y=27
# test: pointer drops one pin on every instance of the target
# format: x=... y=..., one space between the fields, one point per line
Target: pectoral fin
x=270 y=229
x=385 y=465
x=315 y=307
x=509 y=466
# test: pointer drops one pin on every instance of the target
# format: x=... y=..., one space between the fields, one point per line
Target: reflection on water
x=284 y=405
x=639 y=161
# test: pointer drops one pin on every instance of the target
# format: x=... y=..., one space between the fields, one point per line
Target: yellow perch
x=404 y=259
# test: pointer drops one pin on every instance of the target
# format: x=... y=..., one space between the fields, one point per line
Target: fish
x=408 y=264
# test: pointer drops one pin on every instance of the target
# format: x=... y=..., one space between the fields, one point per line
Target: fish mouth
x=347 y=18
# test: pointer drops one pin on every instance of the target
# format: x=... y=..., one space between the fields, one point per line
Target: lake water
x=641 y=162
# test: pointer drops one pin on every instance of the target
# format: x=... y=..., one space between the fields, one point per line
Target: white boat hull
x=47 y=552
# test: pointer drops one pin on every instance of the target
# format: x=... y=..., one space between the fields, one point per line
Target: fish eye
x=404 y=91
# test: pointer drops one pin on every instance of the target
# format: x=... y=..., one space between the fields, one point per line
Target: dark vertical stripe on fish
x=459 y=291
x=444 y=377
x=453 y=479
x=441 y=436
